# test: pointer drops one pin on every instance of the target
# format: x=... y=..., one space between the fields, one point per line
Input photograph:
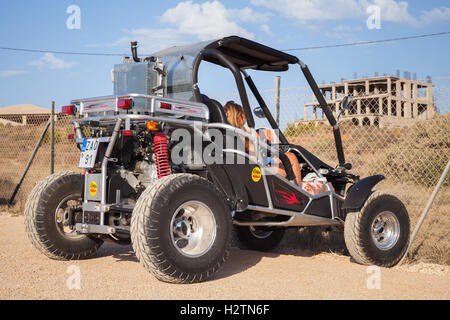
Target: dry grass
x=432 y=244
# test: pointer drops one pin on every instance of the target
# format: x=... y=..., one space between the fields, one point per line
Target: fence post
x=277 y=100
x=52 y=141
x=427 y=209
x=30 y=161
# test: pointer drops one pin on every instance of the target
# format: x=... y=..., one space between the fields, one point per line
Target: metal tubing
x=52 y=140
x=277 y=99
x=427 y=209
x=328 y=113
x=264 y=107
x=298 y=219
x=30 y=161
x=237 y=76
x=108 y=152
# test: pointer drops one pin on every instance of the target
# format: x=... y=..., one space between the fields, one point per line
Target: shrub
x=419 y=156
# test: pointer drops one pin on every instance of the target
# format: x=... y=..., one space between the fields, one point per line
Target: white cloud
x=306 y=11
x=11 y=73
x=152 y=40
x=49 y=61
x=266 y=29
x=340 y=32
x=319 y=10
x=435 y=15
x=247 y=15
x=207 y=20
x=393 y=11
x=189 y=22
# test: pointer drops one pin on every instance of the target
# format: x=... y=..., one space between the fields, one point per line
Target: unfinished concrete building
x=386 y=102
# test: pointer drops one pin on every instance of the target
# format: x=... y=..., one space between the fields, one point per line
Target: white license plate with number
x=89 y=153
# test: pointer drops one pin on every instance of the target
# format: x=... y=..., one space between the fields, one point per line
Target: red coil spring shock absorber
x=161 y=155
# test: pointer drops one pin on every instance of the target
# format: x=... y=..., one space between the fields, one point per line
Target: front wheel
x=181 y=229
x=48 y=222
x=379 y=233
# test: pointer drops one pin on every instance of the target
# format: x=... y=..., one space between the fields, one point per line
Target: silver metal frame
x=154 y=100
x=296 y=218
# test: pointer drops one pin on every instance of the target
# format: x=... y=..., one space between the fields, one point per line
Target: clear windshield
x=178 y=63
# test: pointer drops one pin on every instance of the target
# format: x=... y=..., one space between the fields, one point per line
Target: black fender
x=228 y=179
x=360 y=191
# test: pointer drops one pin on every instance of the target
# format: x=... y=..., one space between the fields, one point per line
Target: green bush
x=296 y=129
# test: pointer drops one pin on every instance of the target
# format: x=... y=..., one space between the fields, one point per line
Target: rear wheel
x=379 y=233
x=258 y=238
x=49 y=220
x=181 y=229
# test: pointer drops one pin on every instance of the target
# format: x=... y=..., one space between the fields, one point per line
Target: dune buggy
x=179 y=216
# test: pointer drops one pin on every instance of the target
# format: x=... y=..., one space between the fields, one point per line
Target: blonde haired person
x=236 y=117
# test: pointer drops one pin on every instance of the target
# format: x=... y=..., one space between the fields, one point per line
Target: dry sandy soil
x=114 y=273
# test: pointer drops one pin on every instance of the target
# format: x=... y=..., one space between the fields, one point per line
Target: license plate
x=89 y=153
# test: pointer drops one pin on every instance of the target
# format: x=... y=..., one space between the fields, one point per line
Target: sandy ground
x=114 y=273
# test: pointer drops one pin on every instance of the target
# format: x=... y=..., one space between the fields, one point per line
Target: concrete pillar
x=408 y=114
x=389 y=92
x=305 y=112
x=398 y=94
x=24 y=120
x=414 y=98
x=367 y=87
x=346 y=93
x=430 y=103
x=380 y=106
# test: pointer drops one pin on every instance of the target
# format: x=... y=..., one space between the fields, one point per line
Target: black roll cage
x=223 y=59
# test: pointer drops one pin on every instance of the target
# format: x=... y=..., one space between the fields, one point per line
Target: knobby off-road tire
x=40 y=218
x=258 y=238
x=181 y=229
x=378 y=234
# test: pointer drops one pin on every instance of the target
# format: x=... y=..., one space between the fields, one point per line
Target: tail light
x=68 y=110
x=166 y=106
x=124 y=104
x=126 y=133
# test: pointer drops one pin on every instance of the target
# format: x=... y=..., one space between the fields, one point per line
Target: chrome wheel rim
x=61 y=215
x=193 y=229
x=385 y=230
x=260 y=234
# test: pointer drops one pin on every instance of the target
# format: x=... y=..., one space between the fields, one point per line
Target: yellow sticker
x=256 y=174
x=93 y=188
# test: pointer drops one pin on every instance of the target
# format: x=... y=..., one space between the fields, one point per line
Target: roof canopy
x=246 y=54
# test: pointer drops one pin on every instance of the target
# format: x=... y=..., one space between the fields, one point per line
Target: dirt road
x=114 y=273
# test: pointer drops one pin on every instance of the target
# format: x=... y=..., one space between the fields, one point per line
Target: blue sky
x=109 y=26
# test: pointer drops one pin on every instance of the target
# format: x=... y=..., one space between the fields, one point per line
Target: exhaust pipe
x=134 y=46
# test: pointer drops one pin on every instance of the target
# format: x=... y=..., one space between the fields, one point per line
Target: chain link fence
x=19 y=139
x=405 y=141
x=408 y=141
